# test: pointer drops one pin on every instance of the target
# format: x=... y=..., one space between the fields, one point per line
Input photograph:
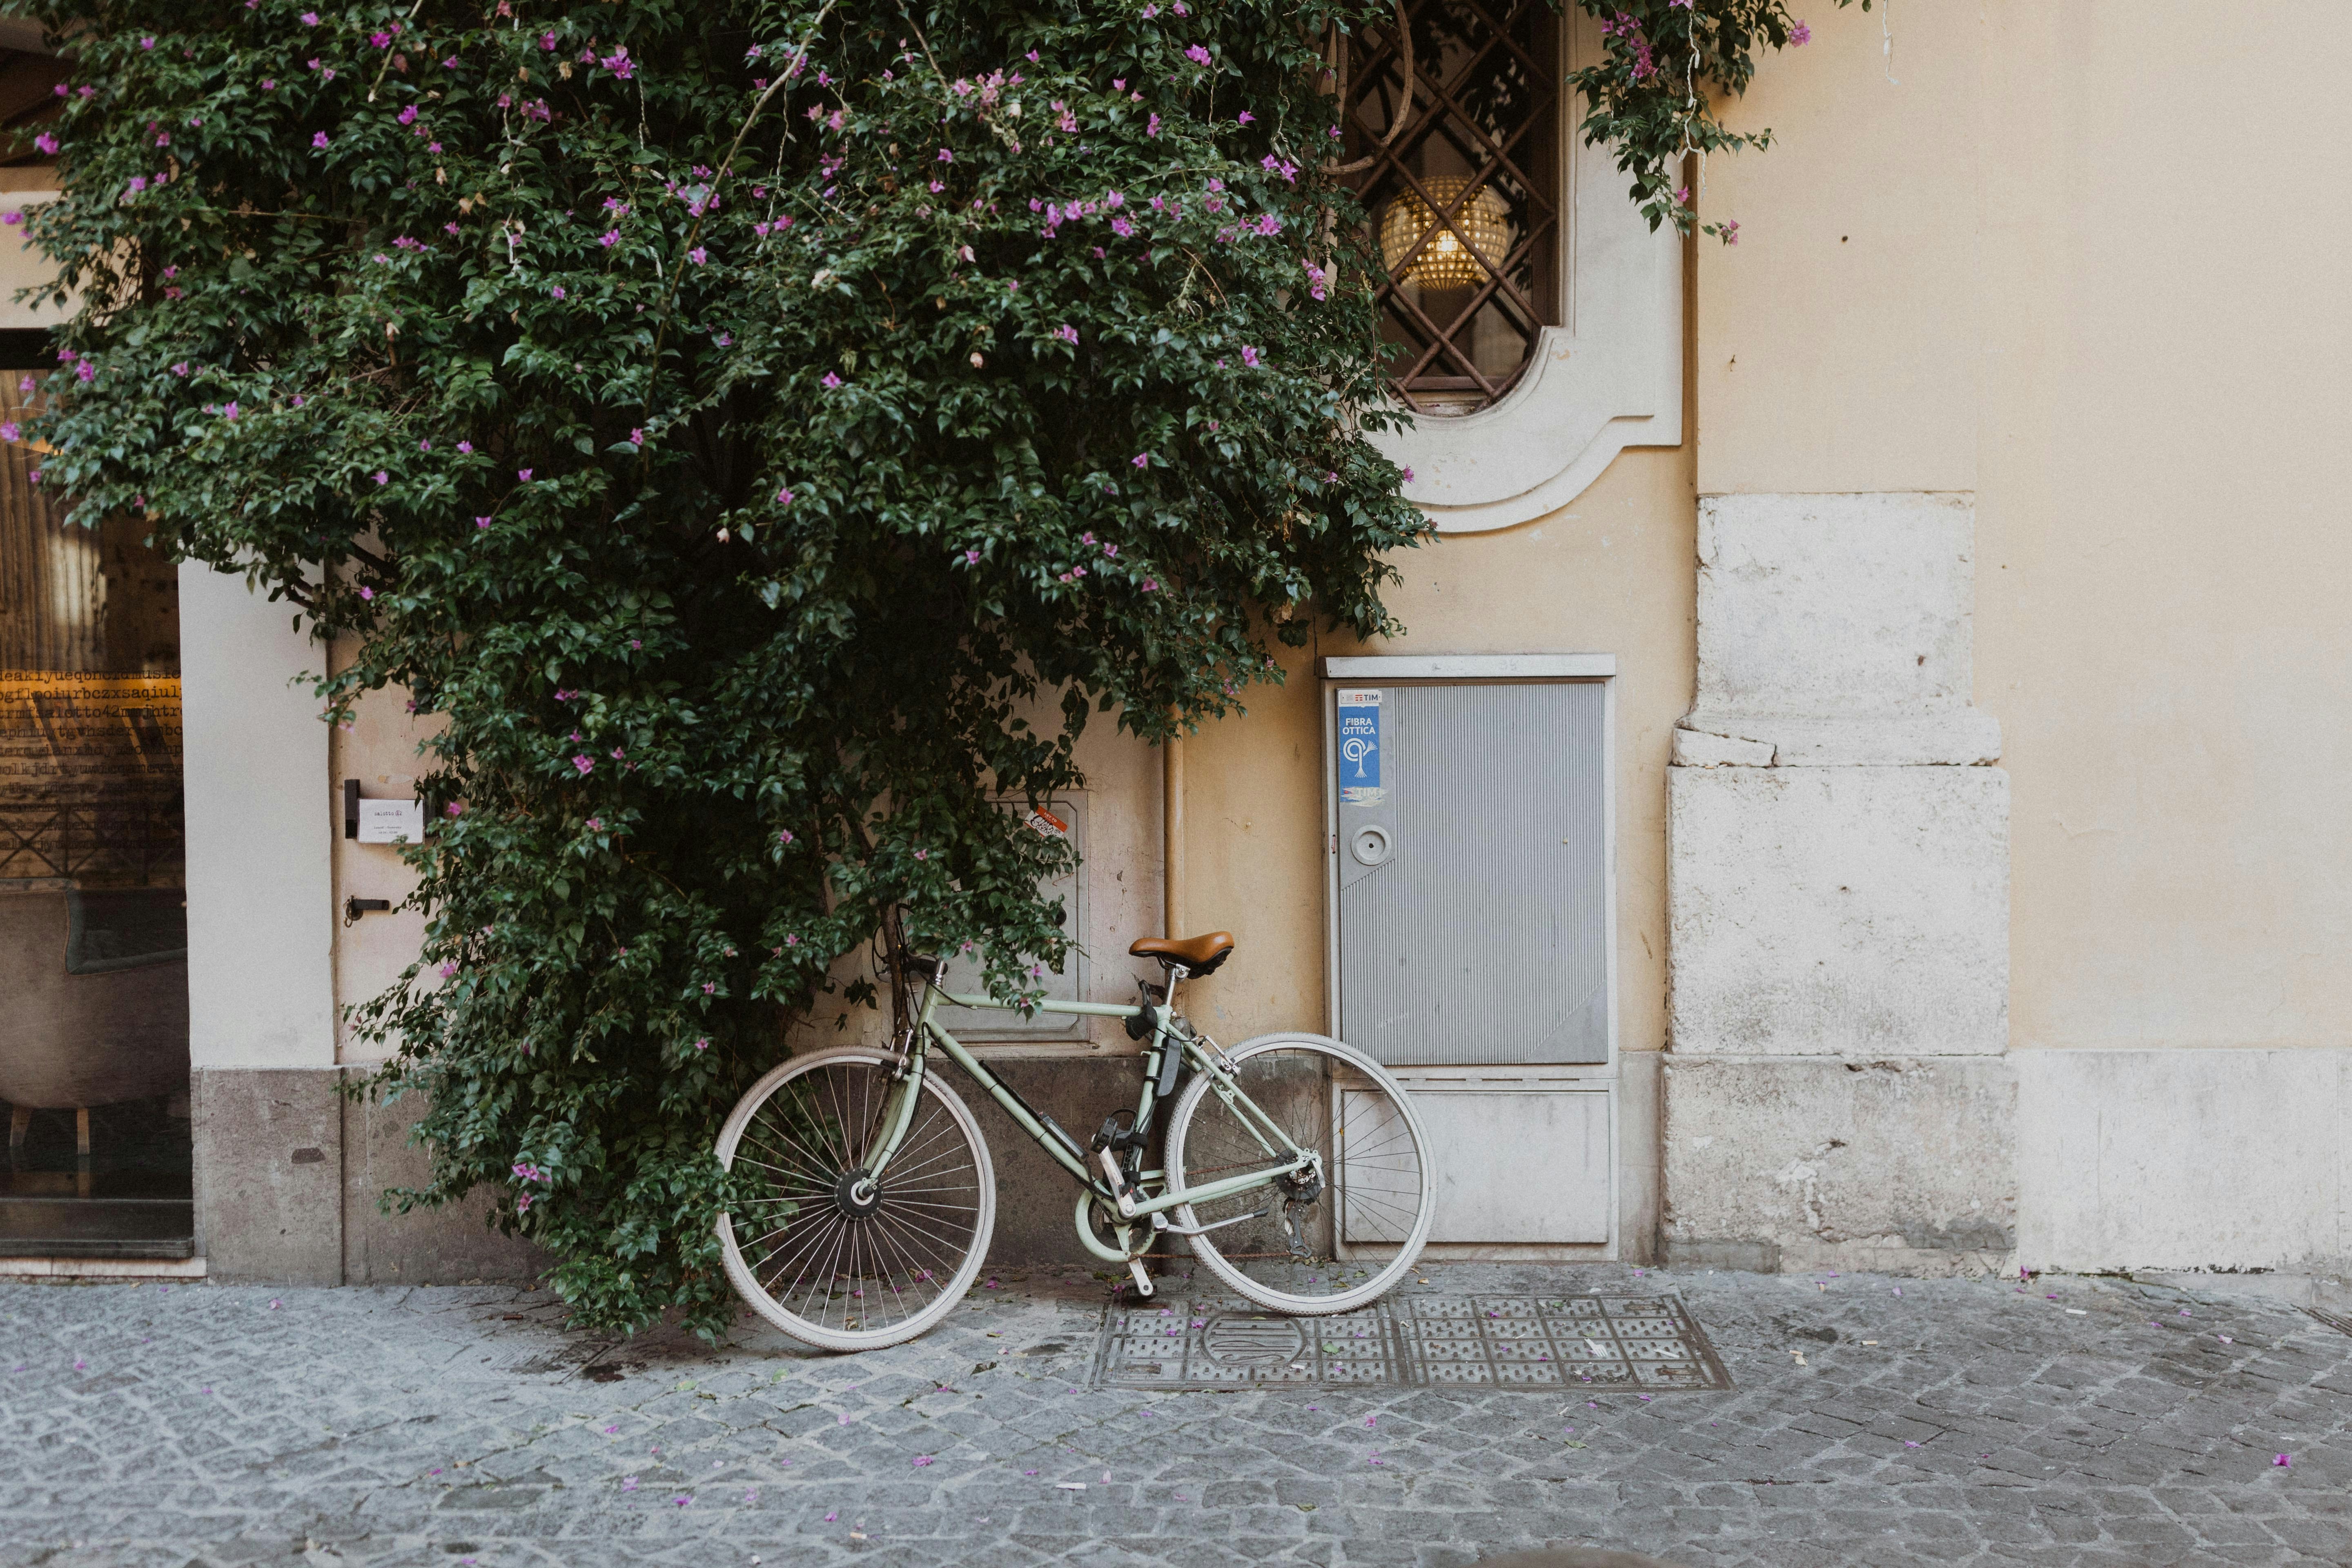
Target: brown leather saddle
x=1199 y=954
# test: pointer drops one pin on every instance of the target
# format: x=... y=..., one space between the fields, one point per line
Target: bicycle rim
x=827 y=1262
x=1293 y=1249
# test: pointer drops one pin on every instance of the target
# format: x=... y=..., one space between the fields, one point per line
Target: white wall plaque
x=391 y=822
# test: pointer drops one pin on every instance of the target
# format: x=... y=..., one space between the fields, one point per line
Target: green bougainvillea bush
x=732 y=425
x=725 y=421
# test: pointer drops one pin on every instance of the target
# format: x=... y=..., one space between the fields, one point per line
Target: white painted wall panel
x=262 y=813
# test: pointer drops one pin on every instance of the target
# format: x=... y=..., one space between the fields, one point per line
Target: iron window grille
x=1451 y=131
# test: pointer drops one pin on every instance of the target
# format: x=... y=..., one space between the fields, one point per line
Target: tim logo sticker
x=1360 y=748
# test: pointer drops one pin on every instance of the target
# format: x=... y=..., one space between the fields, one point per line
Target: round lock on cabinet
x=1369 y=845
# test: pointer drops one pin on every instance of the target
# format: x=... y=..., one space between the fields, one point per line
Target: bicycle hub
x=856 y=1194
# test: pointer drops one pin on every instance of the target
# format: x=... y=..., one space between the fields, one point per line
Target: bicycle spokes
x=832 y=1245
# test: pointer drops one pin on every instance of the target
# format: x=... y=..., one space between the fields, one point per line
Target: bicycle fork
x=900 y=1114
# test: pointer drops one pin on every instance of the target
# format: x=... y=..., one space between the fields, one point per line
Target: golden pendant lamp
x=1445 y=262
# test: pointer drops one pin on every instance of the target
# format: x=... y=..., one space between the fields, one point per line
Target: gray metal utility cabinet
x=1470 y=812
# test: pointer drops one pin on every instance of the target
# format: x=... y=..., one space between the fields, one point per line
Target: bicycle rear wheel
x=1293 y=1246
x=834 y=1262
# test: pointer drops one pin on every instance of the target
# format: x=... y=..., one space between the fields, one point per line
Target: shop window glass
x=93 y=924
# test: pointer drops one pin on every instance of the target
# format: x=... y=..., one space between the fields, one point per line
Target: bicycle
x=882 y=1197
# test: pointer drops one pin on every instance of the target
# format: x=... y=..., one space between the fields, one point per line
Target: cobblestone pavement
x=1872 y=1421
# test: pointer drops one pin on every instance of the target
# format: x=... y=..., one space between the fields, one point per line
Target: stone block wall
x=1837 y=1092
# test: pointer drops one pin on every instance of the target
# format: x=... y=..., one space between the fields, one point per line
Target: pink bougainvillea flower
x=383 y=476
x=1142 y=459
x=523 y=474
x=1249 y=357
x=586 y=764
x=320 y=140
x=831 y=379
x=923 y=1459
x=1800 y=35
x=784 y=497
x=367 y=593
x=481 y=522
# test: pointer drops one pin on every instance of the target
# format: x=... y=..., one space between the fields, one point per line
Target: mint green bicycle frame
x=1168 y=1034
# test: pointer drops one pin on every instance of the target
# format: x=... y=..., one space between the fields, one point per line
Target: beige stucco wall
x=380 y=750
x=2053 y=263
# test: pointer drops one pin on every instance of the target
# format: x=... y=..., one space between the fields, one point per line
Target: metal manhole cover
x=1649 y=1343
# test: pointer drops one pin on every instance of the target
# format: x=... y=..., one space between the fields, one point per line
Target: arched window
x=1454 y=124
x=1537 y=315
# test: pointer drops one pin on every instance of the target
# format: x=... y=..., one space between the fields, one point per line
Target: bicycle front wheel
x=832 y=1257
x=1297 y=1245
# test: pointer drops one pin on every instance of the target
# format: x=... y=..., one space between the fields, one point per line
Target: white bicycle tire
x=746 y=1284
x=1390 y=1273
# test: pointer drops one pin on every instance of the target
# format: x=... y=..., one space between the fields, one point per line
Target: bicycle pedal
x=1142 y=1280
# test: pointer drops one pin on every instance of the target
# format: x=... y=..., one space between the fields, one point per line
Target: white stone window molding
x=1609 y=377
